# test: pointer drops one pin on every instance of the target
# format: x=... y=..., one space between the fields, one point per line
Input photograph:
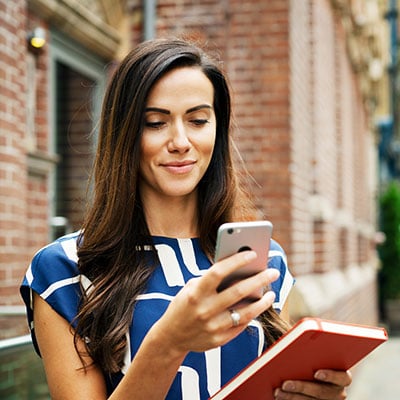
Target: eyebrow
x=167 y=112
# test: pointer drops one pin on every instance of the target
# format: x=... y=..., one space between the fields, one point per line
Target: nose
x=179 y=140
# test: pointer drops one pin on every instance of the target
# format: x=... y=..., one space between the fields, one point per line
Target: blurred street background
x=377 y=376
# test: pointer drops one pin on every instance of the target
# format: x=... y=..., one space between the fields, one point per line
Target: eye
x=154 y=124
x=199 y=121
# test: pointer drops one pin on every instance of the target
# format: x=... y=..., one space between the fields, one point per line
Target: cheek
x=208 y=144
x=210 y=151
x=149 y=147
x=146 y=154
x=211 y=146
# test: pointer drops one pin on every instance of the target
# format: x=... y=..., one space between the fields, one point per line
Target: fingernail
x=273 y=273
x=279 y=395
x=321 y=375
x=251 y=255
x=288 y=386
x=270 y=296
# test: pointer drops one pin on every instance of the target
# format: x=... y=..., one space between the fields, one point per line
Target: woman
x=129 y=307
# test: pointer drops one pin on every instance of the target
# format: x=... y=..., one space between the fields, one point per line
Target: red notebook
x=311 y=344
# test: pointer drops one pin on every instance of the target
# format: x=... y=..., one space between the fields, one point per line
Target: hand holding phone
x=234 y=237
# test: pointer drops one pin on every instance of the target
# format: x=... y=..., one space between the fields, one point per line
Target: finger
x=243 y=313
x=339 y=378
x=249 y=287
x=235 y=318
x=279 y=394
x=313 y=390
x=221 y=269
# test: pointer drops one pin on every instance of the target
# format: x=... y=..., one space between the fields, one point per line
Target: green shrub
x=389 y=251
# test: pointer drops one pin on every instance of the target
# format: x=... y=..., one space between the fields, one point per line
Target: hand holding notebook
x=309 y=345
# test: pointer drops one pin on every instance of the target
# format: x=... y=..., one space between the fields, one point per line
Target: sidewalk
x=378 y=375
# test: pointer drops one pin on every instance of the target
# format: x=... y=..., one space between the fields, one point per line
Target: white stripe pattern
x=213 y=362
x=287 y=285
x=261 y=337
x=189 y=383
x=59 y=284
x=29 y=275
x=189 y=257
x=70 y=250
x=155 y=296
x=277 y=253
x=170 y=265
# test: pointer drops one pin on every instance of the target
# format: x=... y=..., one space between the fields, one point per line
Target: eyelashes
x=156 y=125
x=200 y=122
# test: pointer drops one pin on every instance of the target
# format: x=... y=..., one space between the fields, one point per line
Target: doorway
x=77 y=87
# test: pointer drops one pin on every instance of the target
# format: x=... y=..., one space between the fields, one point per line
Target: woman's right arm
x=67 y=379
x=65 y=375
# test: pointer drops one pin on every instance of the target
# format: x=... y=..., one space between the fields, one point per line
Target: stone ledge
x=41 y=163
x=317 y=294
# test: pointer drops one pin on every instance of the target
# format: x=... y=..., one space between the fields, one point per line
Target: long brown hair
x=115 y=229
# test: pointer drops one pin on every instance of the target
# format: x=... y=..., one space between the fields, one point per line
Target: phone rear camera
x=244 y=248
x=230 y=231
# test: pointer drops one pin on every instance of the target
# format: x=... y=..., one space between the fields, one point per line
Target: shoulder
x=53 y=274
x=63 y=247
x=55 y=262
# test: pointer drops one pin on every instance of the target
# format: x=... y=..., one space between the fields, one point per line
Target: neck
x=175 y=217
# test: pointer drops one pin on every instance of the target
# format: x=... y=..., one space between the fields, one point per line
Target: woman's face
x=179 y=134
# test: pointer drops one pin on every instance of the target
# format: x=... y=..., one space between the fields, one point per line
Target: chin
x=179 y=191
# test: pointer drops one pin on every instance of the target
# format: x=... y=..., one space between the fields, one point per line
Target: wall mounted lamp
x=37 y=38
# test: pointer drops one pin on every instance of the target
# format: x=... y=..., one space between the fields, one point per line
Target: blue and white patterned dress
x=54 y=275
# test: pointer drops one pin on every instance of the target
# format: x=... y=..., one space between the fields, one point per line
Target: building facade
x=308 y=80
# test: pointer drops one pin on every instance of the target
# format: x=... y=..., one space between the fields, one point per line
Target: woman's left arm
x=328 y=384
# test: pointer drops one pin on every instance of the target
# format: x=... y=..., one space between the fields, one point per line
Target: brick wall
x=39 y=163
x=324 y=128
x=13 y=172
x=24 y=141
x=302 y=137
x=259 y=69
x=331 y=141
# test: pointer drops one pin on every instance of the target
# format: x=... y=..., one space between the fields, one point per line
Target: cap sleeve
x=53 y=274
x=283 y=285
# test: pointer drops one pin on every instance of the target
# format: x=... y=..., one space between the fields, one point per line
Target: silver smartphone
x=234 y=237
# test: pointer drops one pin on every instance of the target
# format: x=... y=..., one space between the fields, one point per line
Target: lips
x=179 y=167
